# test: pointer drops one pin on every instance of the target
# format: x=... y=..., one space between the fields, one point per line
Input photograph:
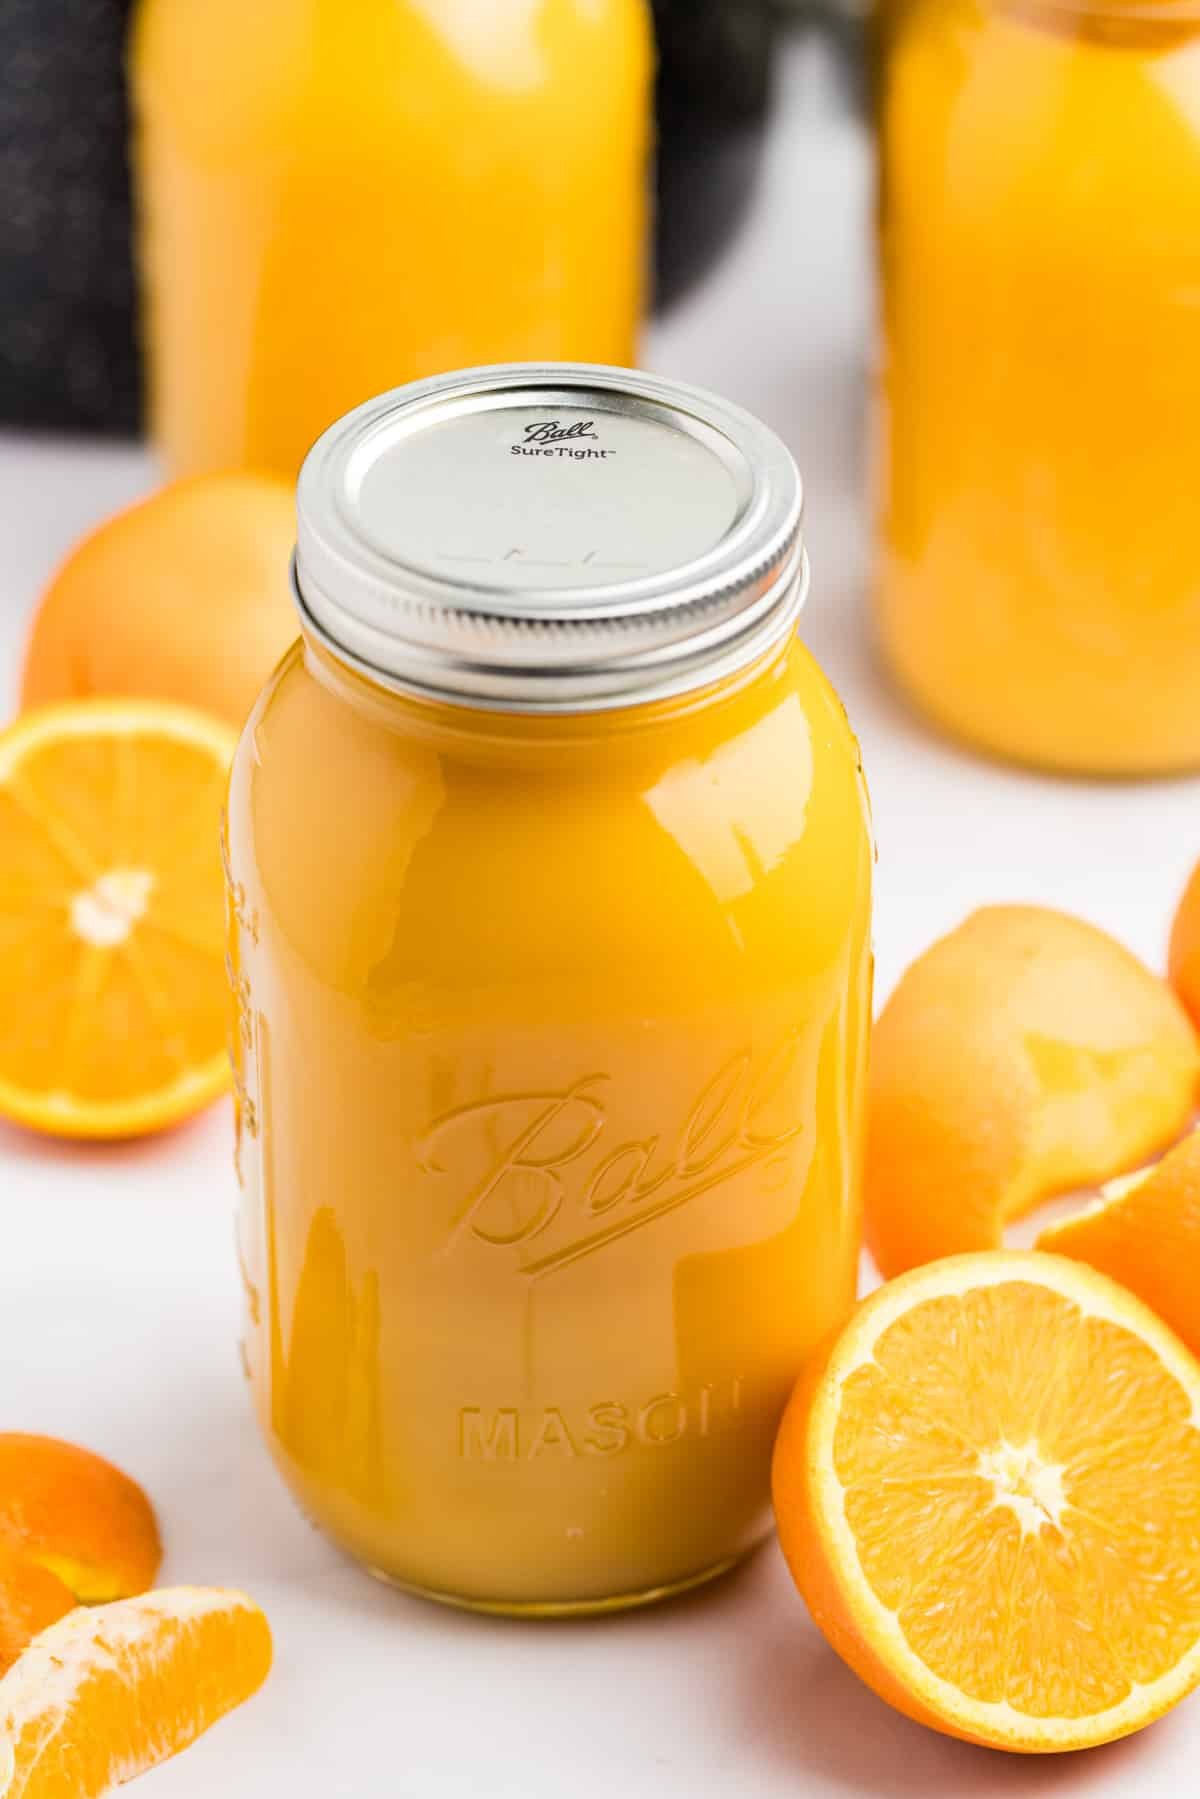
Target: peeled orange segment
x=1025 y=1055
x=31 y=1598
x=1144 y=1231
x=78 y=1516
x=989 y=1495
x=113 y=999
x=106 y=1695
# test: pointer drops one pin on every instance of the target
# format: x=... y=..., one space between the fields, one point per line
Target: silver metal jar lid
x=549 y=537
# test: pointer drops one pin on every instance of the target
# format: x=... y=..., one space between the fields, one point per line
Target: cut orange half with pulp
x=113 y=1000
x=988 y=1493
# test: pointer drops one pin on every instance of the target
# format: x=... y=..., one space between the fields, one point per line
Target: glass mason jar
x=336 y=196
x=550 y=872
x=1039 y=584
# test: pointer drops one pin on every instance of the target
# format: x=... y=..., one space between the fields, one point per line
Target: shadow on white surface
x=29 y=1147
x=810 y=1715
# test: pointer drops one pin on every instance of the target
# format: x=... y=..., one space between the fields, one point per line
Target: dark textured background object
x=714 y=88
x=68 y=356
x=68 y=349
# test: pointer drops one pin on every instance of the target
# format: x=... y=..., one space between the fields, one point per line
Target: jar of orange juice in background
x=1039 y=585
x=550 y=879
x=340 y=195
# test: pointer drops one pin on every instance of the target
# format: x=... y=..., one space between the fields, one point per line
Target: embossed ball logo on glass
x=546 y=1176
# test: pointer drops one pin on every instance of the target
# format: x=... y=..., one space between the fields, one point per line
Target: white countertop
x=118 y=1291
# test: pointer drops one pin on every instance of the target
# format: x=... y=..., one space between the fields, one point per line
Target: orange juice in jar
x=1039 y=584
x=340 y=195
x=550 y=876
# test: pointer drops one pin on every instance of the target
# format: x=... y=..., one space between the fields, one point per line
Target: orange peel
x=1144 y=1231
x=31 y=1598
x=1024 y=1055
x=77 y=1516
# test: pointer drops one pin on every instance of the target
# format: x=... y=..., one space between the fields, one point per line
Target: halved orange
x=1144 y=1231
x=78 y=1516
x=1024 y=1055
x=988 y=1491
x=31 y=1598
x=106 y=1695
x=113 y=998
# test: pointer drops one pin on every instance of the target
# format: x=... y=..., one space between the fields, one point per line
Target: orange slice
x=1024 y=1055
x=30 y=1599
x=113 y=1000
x=1184 y=956
x=1144 y=1231
x=78 y=1516
x=988 y=1492
x=106 y=1695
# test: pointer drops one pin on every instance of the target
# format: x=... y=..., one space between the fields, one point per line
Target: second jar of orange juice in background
x=340 y=195
x=1039 y=589
x=550 y=877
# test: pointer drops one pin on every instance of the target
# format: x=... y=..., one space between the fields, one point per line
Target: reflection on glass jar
x=340 y=195
x=1039 y=591
x=559 y=971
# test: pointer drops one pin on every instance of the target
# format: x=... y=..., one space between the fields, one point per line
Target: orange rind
x=77 y=1517
x=1144 y=1231
x=1025 y=1055
x=31 y=1598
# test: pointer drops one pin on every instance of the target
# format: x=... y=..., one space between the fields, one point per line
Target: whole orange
x=1185 y=947
x=182 y=597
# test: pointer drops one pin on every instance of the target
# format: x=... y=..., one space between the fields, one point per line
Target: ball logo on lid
x=552 y=431
x=550 y=437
